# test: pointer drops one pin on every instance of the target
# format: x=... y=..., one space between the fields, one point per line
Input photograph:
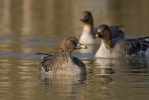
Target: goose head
x=87 y=17
x=104 y=34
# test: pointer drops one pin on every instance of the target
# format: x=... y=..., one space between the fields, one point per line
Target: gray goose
x=123 y=48
x=87 y=36
x=64 y=63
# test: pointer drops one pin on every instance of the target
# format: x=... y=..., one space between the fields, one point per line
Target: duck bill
x=81 y=46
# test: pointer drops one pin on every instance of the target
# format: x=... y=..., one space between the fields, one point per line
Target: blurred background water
x=31 y=26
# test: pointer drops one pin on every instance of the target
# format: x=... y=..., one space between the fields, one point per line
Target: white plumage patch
x=87 y=36
x=99 y=30
x=103 y=52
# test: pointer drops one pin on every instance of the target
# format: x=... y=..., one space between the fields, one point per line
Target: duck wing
x=79 y=64
x=49 y=62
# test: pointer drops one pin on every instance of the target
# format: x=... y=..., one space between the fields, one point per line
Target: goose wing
x=117 y=32
x=131 y=46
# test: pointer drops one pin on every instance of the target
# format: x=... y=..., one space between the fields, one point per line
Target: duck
x=127 y=47
x=89 y=31
x=64 y=63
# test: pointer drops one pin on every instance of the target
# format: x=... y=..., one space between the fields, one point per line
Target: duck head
x=71 y=43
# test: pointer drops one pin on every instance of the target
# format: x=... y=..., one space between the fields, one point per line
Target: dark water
x=31 y=26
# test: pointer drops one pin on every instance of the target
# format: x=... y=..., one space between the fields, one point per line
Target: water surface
x=28 y=27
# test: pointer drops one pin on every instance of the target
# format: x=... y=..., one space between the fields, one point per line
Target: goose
x=87 y=36
x=123 y=48
x=64 y=63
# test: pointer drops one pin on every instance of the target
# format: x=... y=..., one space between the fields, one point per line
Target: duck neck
x=65 y=58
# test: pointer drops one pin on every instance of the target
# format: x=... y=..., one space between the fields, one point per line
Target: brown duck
x=64 y=63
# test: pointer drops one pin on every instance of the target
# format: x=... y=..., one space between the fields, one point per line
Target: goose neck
x=88 y=28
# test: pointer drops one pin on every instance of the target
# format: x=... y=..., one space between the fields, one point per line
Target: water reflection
x=106 y=77
x=6 y=15
x=66 y=80
x=63 y=85
x=133 y=71
x=105 y=68
x=129 y=64
x=16 y=77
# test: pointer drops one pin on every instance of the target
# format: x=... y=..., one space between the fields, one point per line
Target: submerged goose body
x=89 y=31
x=64 y=63
x=122 y=48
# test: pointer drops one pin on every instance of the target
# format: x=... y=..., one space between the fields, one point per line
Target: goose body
x=63 y=63
x=89 y=31
x=122 y=48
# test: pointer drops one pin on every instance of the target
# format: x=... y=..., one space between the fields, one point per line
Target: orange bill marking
x=83 y=46
x=97 y=35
